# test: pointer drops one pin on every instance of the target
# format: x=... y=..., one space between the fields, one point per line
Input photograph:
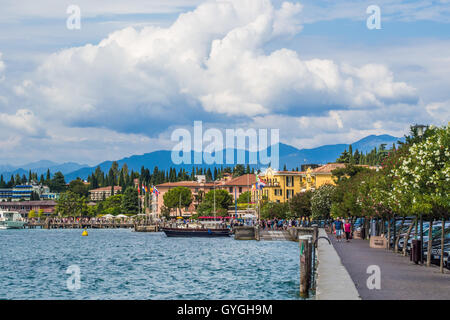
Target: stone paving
x=401 y=279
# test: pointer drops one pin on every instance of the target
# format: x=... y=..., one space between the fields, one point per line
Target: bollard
x=305 y=264
x=257 y=233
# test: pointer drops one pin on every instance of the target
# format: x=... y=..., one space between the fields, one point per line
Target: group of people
x=340 y=227
x=282 y=224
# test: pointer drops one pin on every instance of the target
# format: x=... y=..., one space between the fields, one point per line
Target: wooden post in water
x=305 y=243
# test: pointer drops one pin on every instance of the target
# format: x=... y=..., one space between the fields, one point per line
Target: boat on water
x=205 y=229
x=11 y=220
x=196 y=232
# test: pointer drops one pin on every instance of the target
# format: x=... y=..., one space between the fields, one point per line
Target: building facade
x=24 y=193
x=24 y=207
x=282 y=185
x=234 y=186
x=103 y=193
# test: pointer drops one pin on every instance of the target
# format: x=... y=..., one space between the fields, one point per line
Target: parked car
x=436 y=234
x=436 y=253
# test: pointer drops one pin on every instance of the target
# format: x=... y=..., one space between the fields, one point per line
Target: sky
x=137 y=70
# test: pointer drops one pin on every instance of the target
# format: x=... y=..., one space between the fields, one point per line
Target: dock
x=92 y=225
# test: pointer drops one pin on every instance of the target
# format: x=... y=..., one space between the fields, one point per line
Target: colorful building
x=24 y=193
x=235 y=186
x=280 y=186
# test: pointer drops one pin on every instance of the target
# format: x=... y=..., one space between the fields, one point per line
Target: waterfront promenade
x=401 y=279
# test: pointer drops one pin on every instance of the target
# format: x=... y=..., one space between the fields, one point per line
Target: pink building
x=235 y=186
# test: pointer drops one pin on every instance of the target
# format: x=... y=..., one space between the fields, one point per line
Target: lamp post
x=420 y=130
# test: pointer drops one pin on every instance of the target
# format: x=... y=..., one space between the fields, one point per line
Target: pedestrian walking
x=347 y=230
x=338 y=229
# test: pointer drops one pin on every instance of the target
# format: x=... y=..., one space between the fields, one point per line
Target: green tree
x=321 y=201
x=34 y=196
x=245 y=197
x=77 y=186
x=71 y=204
x=178 y=197
x=112 y=205
x=300 y=204
x=272 y=210
x=222 y=200
x=130 y=201
x=421 y=180
x=31 y=214
x=238 y=170
x=58 y=183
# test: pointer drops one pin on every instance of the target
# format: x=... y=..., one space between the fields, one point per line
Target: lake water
x=122 y=264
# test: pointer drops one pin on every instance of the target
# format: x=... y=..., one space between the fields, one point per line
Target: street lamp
x=420 y=129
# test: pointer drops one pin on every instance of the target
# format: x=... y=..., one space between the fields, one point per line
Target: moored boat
x=196 y=232
x=11 y=220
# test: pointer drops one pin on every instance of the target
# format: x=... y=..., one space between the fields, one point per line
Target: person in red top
x=347 y=230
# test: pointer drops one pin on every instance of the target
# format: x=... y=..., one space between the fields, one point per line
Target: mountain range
x=288 y=155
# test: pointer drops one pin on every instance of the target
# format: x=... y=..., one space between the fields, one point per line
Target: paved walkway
x=400 y=278
x=333 y=281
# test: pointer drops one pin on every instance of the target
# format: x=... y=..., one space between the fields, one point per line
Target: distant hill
x=40 y=167
x=289 y=155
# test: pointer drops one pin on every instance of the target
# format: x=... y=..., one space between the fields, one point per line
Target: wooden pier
x=92 y=225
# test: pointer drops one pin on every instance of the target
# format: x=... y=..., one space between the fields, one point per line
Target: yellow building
x=282 y=185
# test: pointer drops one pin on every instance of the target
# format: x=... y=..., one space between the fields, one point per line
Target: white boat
x=11 y=220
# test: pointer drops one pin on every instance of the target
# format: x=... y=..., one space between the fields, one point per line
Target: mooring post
x=305 y=264
x=257 y=234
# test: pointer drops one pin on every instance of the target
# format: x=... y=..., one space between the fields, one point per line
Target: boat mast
x=179 y=205
x=214 y=192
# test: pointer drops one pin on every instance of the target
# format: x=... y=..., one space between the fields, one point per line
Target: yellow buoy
x=85 y=233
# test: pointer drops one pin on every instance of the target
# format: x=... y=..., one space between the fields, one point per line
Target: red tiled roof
x=326 y=169
x=193 y=184
x=106 y=189
x=244 y=180
x=289 y=172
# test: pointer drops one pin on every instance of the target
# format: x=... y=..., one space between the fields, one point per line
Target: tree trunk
x=366 y=227
x=430 y=241
x=397 y=239
x=442 y=245
x=389 y=234
x=407 y=237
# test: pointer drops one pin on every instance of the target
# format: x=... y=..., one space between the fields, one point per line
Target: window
x=231 y=189
x=289 y=193
x=240 y=189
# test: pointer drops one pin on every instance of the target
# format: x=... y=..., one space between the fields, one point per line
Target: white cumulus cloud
x=211 y=63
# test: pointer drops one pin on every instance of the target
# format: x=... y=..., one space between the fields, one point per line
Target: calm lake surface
x=122 y=264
